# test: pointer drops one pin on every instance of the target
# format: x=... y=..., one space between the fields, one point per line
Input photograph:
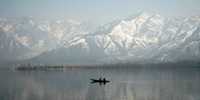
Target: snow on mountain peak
x=143 y=37
x=146 y=37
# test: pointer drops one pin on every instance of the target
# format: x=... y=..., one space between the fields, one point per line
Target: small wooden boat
x=100 y=81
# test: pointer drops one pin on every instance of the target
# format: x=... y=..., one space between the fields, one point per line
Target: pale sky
x=96 y=10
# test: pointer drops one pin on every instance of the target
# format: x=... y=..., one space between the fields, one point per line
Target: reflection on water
x=126 y=84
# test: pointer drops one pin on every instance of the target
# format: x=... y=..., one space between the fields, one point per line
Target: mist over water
x=126 y=84
x=139 y=49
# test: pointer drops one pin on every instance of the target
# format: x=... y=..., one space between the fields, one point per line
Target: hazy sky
x=96 y=10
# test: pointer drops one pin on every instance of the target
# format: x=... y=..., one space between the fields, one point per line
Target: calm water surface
x=126 y=84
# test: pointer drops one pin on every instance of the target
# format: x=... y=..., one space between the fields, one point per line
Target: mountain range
x=144 y=37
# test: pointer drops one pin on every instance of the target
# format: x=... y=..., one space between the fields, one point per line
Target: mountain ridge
x=146 y=37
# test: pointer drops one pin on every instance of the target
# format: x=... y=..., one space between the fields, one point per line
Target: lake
x=126 y=84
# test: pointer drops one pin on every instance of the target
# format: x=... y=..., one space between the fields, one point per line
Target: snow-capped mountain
x=25 y=38
x=146 y=37
x=152 y=37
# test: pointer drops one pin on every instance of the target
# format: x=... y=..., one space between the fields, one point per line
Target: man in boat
x=100 y=81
